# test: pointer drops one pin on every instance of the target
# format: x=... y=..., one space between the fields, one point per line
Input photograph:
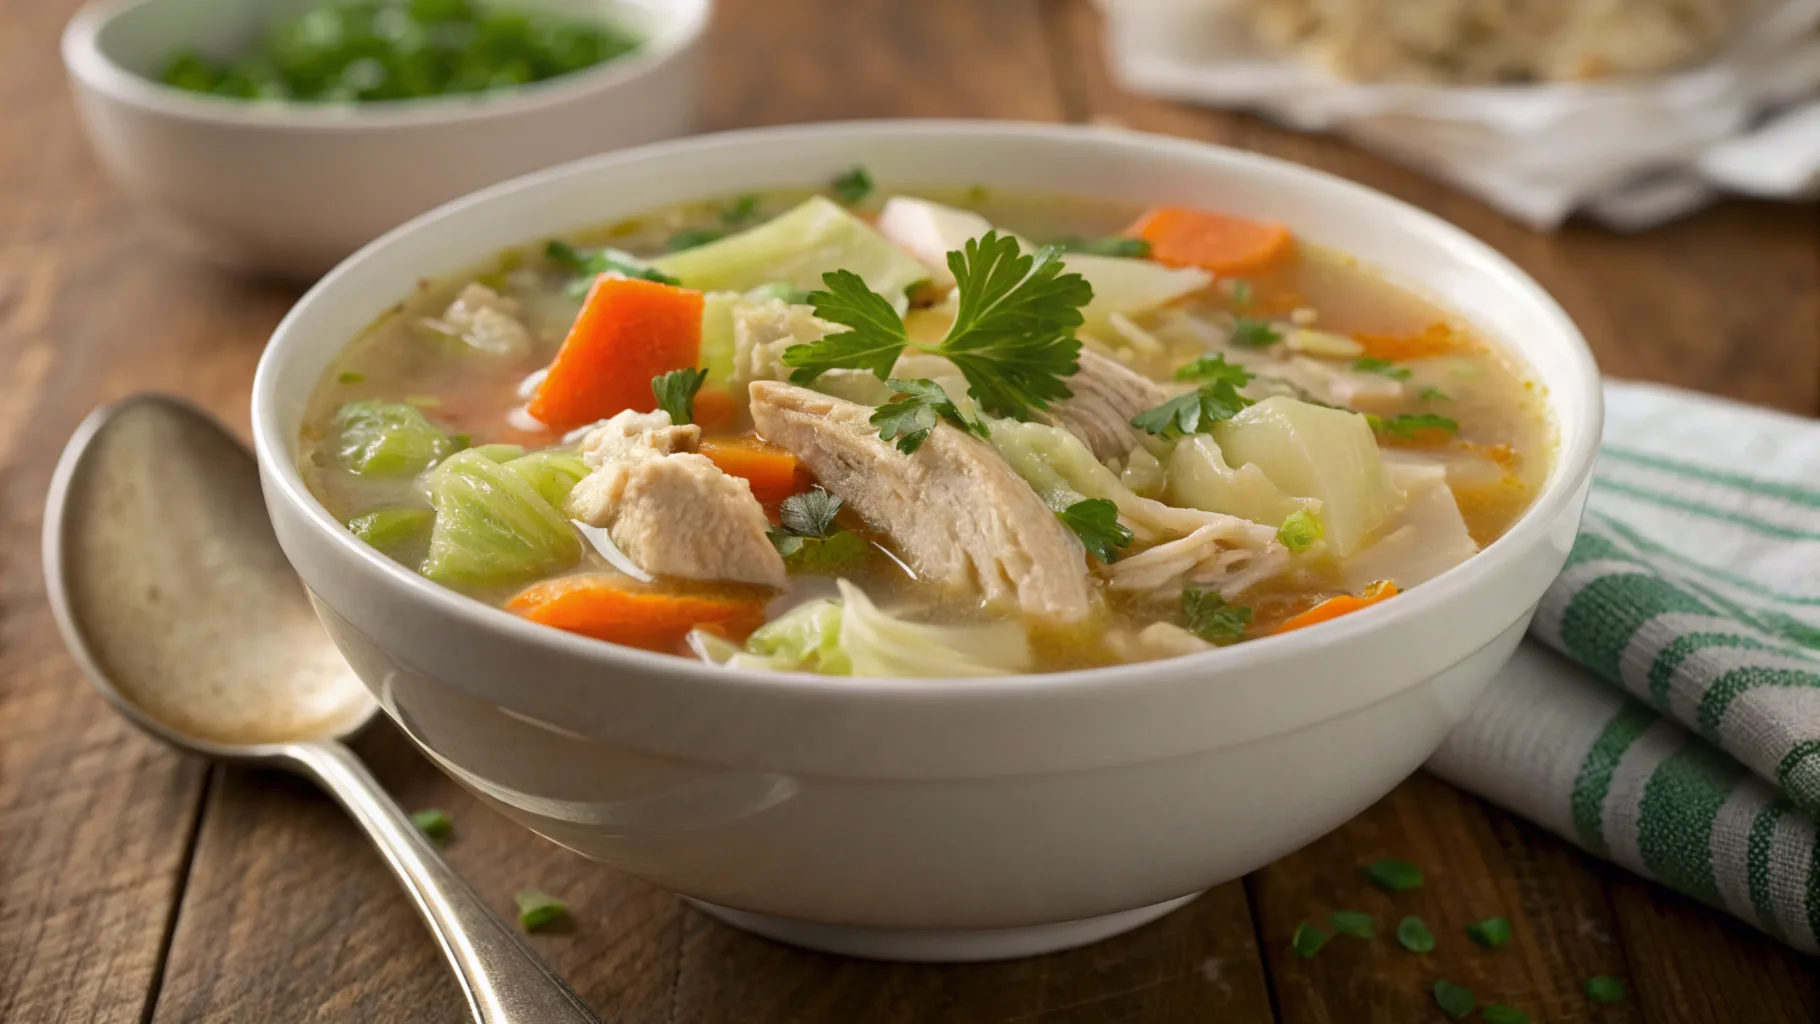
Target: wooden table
x=136 y=884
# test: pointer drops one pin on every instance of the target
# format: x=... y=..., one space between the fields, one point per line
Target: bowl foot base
x=919 y=945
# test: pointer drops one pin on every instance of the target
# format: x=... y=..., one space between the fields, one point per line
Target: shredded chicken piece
x=1227 y=554
x=629 y=436
x=1155 y=641
x=484 y=319
x=1106 y=396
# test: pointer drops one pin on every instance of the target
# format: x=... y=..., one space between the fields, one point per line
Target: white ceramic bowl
x=931 y=819
x=290 y=189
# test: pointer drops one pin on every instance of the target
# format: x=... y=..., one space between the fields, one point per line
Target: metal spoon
x=173 y=595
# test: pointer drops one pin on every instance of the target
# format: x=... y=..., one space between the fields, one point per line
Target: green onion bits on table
x=376 y=50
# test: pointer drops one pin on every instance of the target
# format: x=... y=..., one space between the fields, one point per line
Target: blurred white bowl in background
x=290 y=189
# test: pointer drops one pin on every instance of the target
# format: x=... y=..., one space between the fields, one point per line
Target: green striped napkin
x=1680 y=734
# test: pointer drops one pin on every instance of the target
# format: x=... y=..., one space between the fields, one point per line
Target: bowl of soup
x=927 y=540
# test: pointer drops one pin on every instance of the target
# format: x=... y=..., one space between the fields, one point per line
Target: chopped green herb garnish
x=853 y=186
x=1108 y=245
x=1354 y=923
x=693 y=238
x=1239 y=291
x=1454 y=1001
x=1300 y=531
x=675 y=392
x=912 y=417
x=1249 y=333
x=840 y=551
x=1430 y=393
x=1216 y=400
x=1408 y=425
x=462 y=442
x=1394 y=875
x=1498 y=1013
x=591 y=263
x=1604 y=989
x=743 y=209
x=977 y=195
x=1012 y=338
x=1381 y=367
x=538 y=909
x=350 y=377
x=434 y=824
x=1490 y=933
x=1212 y=619
x=1307 y=940
x=809 y=514
x=1415 y=936
x=1096 y=522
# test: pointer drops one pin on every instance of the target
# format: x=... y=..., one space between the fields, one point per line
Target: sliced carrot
x=1184 y=237
x=1436 y=339
x=601 y=607
x=629 y=331
x=773 y=472
x=1334 y=607
x=714 y=408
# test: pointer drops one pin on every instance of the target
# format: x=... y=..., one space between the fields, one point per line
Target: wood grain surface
x=136 y=884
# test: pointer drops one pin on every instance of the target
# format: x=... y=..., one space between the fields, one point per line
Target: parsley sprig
x=1215 y=400
x=1212 y=619
x=675 y=393
x=1012 y=338
x=593 y=262
x=808 y=539
x=1096 y=522
x=912 y=416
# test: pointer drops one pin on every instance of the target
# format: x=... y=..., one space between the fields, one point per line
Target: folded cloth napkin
x=1680 y=734
x=1633 y=153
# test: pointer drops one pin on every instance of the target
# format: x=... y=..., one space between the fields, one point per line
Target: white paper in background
x=1632 y=153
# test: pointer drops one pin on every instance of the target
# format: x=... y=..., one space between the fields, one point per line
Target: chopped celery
x=387 y=438
x=392 y=529
x=796 y=249
x=1312 y=451
x=551 y=474
x=492 y=526
x=717 y=334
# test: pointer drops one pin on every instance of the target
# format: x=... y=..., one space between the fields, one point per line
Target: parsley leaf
x=1096 y=522
x=592 y=262
x=1392 y=875
x=1012 y=338
x=1415 y=936
x=1381 y=367
x=1490 y=933
x=1354 y=923
x=434 y=824
x=852 y=186
x=1408 y=425
x=1249 y=333
x=873 y=341
x=694 y=238
x=808 y=540
x=1430 y=393
x=1239 y=291
x=743 y=209
x=1217 y=399
x=537 y=909
x=675 y=392
x=1603 y=989
x=1454 y=1000
x=1498 y=1013
x=1307 y=940
x=1108 y=245
x=912 y=417
x=1300 y=531
x=1212 y=619
x=809 y=514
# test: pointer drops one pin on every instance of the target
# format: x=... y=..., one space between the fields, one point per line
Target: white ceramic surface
x=901 y=817
x=290 y=189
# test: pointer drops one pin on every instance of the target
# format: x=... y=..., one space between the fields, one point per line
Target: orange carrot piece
x=1185 y=237
x=714 y=409
x=601 y=607
x=628 y=332
x=1334 y=607
x=1436 y=339
x=773 y=472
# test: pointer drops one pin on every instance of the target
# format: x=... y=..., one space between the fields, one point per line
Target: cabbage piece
x=1311 y=451
x=1424 y=540
x=387 y=438
x=391 y=529
x=807 y=638
x=492 y=527
x=1120 y=284
x=1200 y=478
x=717 y=334
x=797 y=248
x=1061 y=469
x=551 y=474
x=878 y=644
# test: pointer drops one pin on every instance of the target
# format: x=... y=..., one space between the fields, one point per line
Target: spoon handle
x=504 y=981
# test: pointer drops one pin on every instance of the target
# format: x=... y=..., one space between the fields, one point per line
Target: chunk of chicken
x=1106 y=396
x=679 y=515
x=955 y=511
x=629 y=436
x=763 y=330
x=484 y=319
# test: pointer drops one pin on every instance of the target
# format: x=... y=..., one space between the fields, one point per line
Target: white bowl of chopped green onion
x=279 y=136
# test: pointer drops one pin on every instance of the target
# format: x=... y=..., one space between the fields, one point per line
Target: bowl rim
x=89 y=64
x=1572 y=471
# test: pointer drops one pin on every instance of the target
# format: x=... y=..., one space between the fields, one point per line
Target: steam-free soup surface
x=925 y=433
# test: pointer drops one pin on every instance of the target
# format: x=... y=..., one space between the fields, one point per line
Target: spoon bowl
x=174 y=597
